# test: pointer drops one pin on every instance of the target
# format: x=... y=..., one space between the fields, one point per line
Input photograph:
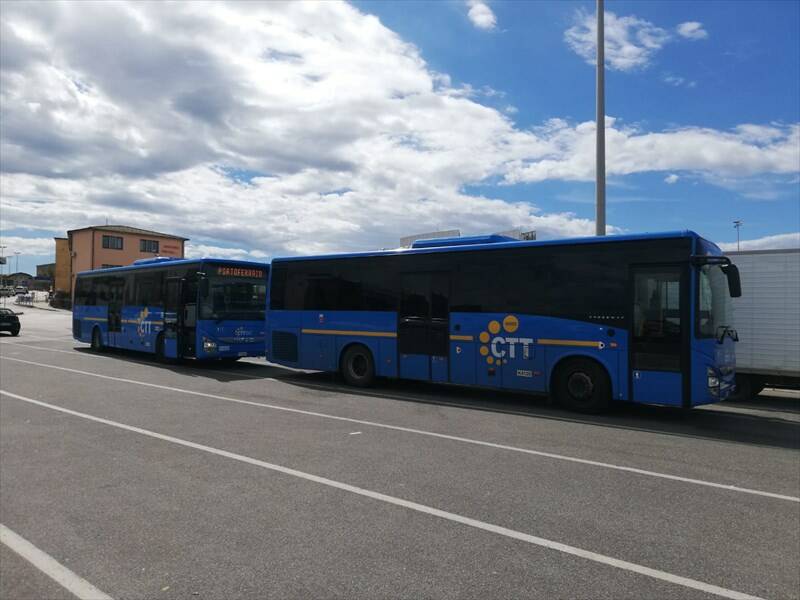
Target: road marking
x=140 y=362
x=422 y=508
x=354 y=433
x=444 y=436
x=50 y=566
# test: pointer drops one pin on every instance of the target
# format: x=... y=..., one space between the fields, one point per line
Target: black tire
x=15 y=332
x=747 y=388
x=358 y=367
x=582 y=385
x=97 y=340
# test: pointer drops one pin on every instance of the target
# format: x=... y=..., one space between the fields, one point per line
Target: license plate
x=242 y=353
x=224 y=348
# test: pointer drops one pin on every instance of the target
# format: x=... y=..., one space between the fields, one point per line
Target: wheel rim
x=580 y=386
x=359 y=365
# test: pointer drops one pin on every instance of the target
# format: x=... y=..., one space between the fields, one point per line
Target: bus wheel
x=97 y=340
x=357 y=367
x=582 y=385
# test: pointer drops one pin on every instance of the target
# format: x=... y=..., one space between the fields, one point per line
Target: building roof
x=127 y=229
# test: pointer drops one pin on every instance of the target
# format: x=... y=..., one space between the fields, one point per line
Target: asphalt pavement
x=135 y=479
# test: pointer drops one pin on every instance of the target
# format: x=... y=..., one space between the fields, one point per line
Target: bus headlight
x=209 y=345
x=713 y=379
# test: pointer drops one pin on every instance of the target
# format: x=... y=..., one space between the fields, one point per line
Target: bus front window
x=232 y=298
x=714 y=302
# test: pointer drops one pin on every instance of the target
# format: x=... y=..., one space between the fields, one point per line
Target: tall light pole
x=600 y=120
x=2 y=268
x=16 y=255
x=737 y=224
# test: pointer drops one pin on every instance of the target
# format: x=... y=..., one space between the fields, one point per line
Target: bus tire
x=358 y=366
x=582 y=385
x=97 y=340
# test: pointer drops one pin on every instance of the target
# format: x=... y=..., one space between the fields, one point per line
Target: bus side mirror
x=204 y=287
x=734 y=281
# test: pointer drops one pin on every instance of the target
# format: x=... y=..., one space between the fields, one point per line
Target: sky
x=272 y=129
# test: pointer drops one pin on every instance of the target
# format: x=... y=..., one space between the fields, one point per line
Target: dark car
x=9 y=321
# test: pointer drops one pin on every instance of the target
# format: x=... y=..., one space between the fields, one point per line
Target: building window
x=112 y=241
x=104 y=266
x=148 y=246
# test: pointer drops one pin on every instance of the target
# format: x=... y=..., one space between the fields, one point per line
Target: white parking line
x=583 y=461
x=421 y=508
x=128 y=359
x=50 y=566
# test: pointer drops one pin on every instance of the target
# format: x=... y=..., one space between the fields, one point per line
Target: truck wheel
x=747 y=388
x=358 y=367
x=582 y=385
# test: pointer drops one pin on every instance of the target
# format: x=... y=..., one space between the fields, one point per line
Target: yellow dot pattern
x=494 y=327
x=484 y=350
x=510 y=323
x=490 y=360
x=484 y=337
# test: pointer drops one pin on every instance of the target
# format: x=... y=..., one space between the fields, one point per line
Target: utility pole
x=16 y=256
x=737 y=224
x=600 y=120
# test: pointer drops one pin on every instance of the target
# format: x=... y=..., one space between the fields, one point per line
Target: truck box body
x=767 y=318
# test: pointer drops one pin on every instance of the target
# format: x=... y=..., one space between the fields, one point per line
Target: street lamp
x=2 y=262
x=600 y=126
x=16 y=255
x=737 y=224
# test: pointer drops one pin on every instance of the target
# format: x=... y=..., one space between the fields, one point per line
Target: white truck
x=767 y=319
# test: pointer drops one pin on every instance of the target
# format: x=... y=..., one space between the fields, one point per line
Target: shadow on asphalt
x=716 y=422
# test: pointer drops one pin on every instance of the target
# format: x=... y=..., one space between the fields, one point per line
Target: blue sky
x=266 y=129
x=747 y=70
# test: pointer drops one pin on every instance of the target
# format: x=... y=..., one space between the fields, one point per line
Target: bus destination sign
x=240 y=272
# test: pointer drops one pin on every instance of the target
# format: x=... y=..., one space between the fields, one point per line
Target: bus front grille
x=284 y=346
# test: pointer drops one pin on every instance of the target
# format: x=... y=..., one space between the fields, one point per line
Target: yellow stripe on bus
x=95 y=319
x=388 y=334
x=581 y=343
x=461 y=338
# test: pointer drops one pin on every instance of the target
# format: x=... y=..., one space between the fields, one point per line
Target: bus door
x=116 y=297
x=659 y=328
x=423 y=327
x=173 y=317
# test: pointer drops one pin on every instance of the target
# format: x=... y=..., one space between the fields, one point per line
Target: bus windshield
x=715 y=308
x=234 y=298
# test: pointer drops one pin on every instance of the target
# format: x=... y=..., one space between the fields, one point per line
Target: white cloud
x=26 y=246
x=630 y=42
x=692 y=30
x=568 y=152
x=285 y=128
x=770 y=242
x=677 y=81
x=481 y=15
x=671 y=178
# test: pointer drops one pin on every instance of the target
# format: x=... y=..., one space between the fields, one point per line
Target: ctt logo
x=143 y=326
x=499 y=348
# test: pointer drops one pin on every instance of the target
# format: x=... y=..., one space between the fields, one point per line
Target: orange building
x=104 y=246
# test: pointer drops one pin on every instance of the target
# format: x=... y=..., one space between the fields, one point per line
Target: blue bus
x=174 y=308
x=630 y=318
